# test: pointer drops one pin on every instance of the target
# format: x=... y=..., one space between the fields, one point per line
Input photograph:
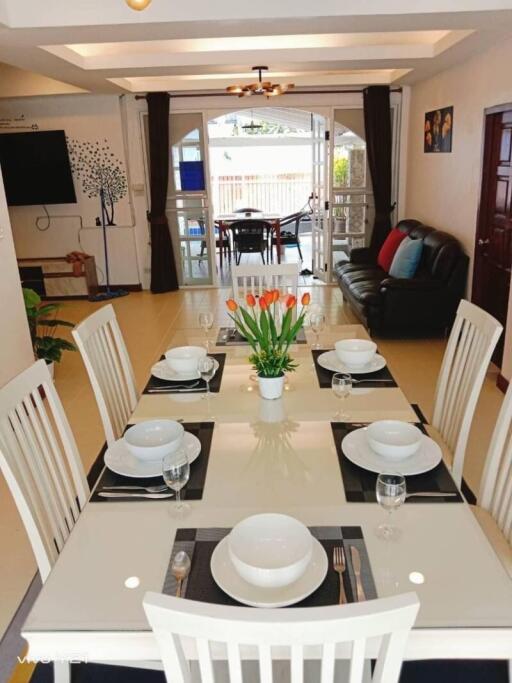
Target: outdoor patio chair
x=289 y=238
x=249 y=237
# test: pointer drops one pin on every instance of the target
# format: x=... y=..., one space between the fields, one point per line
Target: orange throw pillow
x=388 y=249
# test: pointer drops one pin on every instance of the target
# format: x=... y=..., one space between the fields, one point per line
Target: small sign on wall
x=438 y=130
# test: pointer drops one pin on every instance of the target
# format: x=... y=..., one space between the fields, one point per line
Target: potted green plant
x=270 y=335
x=43 y=324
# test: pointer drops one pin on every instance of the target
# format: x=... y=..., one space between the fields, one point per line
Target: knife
x=152 y=496
x=356 y=565
x=165 y=390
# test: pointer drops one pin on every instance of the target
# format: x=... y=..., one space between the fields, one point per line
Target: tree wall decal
x=97 y=167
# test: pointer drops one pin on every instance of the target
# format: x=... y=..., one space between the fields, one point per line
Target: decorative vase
x=271 y=387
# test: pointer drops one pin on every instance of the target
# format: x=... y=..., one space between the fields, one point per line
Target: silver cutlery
x=172 y=385
x=161 y=488
x=430 y=494
x=340 y=566
x=180 y=569
x=173 y=390
x=356 y=565
x=132 y=494
x=379 y=381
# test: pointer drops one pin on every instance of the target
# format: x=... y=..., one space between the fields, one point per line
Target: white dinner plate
x=230 y=581
x=119 y=459
x=356 y=448
x=162 y=370
x=330 y=361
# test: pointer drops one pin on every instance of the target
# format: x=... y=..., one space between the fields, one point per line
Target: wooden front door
x=493 y=245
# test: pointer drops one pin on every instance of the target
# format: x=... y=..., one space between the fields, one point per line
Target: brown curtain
x=163 y=268
x=377 y=124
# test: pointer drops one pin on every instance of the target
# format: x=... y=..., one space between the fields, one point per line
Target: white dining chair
x=42 y=467
x=471 y=344
x=289 y=636
x=101 y=344
x=255 y=279
x=494 y=503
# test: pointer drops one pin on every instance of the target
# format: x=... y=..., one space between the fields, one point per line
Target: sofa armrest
x=411 y=285
x=362 y=255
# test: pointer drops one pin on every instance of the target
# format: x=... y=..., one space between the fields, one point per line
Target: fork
x=175 y=386
x=161 y=488
x=340 y=567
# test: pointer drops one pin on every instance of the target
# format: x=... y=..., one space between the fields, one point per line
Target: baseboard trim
x=502 y=383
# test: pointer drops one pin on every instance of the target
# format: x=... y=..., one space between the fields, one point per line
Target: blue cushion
x=407 y=258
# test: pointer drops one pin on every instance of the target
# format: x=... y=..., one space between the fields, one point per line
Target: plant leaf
x=31 y=298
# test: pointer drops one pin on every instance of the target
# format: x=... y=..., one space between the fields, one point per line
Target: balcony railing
x=281 y=193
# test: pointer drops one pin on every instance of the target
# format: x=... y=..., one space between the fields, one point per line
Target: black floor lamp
x=108 y=293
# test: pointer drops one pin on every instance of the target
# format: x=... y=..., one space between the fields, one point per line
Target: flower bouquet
x=268 y=326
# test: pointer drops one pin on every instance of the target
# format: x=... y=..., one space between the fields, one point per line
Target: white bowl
x=393 y=439
x=184 y=359
x=270 y=550
x=154 y=439
x=355 y=352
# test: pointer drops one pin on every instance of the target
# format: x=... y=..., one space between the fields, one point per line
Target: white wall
x=85 y=118
x=443 y=190
x=15 y=346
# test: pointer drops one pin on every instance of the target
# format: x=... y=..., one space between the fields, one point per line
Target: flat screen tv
x=36 y=168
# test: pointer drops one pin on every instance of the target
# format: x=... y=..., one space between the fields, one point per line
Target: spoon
x=180 y=569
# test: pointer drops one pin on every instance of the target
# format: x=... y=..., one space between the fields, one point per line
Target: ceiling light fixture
x=252 y=126
x=138 y=5
x=261 y=87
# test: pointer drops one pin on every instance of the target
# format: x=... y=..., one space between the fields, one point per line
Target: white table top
x=290 y=466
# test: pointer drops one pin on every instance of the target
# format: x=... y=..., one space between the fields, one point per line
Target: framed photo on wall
x=438 y=130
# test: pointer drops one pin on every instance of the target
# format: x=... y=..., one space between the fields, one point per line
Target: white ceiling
x=103 y=46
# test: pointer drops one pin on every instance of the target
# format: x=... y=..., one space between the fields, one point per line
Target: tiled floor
x=148 y=322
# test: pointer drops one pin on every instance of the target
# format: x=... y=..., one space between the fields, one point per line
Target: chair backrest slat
x=496 y=485
x=40 y=462
x=234 y=662
x=470 y=346
x=255 y=279
x=328 y=662
x=179 y=624
x=101 y=344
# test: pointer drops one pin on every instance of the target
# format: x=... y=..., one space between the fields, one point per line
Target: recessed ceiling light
x=138 y=4
x=132 y=582
x=417 y=577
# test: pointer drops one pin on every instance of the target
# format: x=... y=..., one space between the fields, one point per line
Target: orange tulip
x=263 y=303
x=306 y=298
x=232 y=305
x=251 y=301
x=291 y=301
x=268 y=296
x=276 y=296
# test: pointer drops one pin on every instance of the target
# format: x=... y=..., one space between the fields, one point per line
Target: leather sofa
x=425 y=304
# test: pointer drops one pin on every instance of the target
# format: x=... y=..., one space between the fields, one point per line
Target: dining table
x=281 y=456
x=225 y=220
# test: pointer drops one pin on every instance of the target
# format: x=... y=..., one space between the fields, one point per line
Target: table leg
x=277 y=227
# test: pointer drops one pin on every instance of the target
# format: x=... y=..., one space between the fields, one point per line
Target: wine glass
x=206 y=322
x=390 y=491
x=317 y=324
x=341 y=385
x=206 y=369
x=176 y=472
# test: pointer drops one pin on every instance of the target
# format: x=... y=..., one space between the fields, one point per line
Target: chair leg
x=62 y=672
x=263 y=256
x=300 y=252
